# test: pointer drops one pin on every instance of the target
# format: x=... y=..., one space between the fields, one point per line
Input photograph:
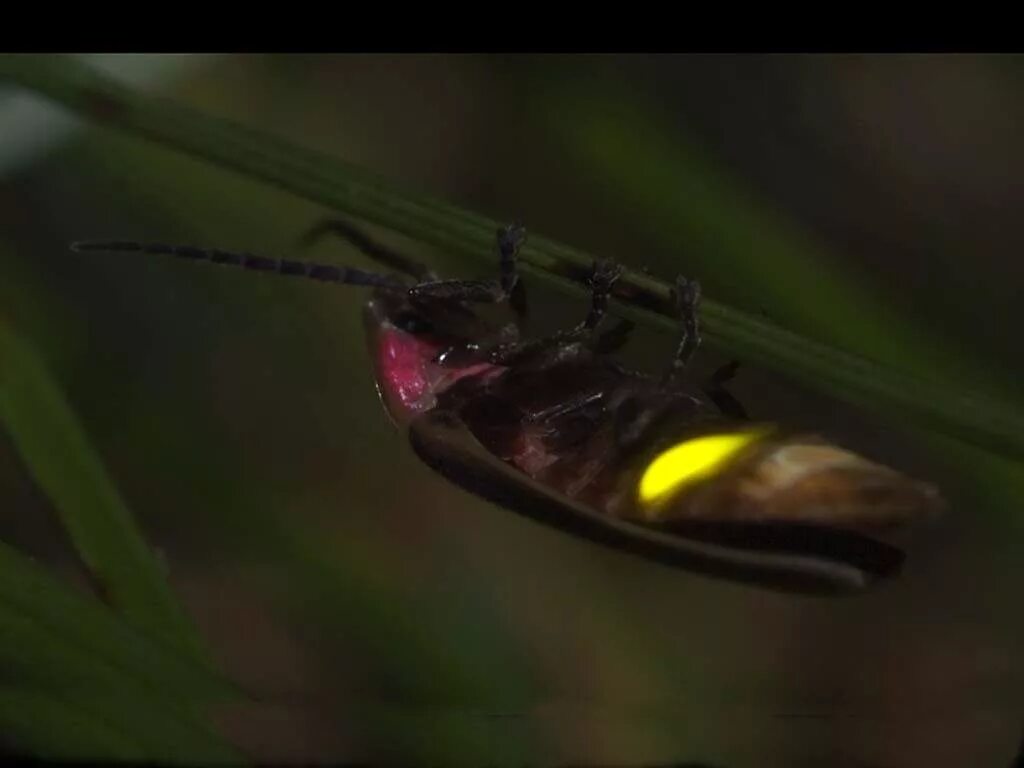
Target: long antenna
x=366 y=245
x=322 y=272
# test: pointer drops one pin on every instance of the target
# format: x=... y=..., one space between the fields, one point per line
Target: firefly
x=556 y=429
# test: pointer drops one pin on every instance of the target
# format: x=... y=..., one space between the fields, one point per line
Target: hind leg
x=687 y=299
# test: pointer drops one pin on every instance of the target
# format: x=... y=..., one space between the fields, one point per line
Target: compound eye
x=412 y=322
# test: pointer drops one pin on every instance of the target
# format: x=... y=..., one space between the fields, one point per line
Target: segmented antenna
x=367 y=245
x=323 y=272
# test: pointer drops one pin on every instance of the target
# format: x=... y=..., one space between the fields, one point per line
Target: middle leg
x=686 y=294
x=583 y=338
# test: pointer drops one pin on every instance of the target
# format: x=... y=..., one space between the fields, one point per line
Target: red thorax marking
x=408 y=378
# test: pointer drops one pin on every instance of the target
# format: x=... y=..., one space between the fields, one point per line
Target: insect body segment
x=409 y=367
x=689 y=462
x=555 y=429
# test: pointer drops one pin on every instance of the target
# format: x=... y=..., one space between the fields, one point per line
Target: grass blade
x=47 y=727
x=105 y=728
x=58 y=455
x=923 y=400
x=89 y=685
x=49 y=630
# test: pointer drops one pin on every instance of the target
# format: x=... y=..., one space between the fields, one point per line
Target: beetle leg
x=687 y=298
x=637 y=416
x=577 y=402
x=582 y=338
x=636 y=419
x=606 y=274
x=510 y=240
x=367 y=245
x=614 y=338
x=558 y=346
x=723 y=398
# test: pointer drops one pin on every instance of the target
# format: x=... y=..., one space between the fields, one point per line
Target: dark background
x=381 y=613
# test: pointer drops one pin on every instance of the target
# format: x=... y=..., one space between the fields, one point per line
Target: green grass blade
x=919 y=399
x=47 y=727
x=49 y=631
x=79 y=682
x=100 y=727
x=57 y=454
x=687 y=204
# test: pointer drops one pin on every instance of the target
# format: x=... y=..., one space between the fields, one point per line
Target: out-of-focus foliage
x=80 y=683
x=372 y=611
x=63 y=465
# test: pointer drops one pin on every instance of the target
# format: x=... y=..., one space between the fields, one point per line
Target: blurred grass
x=53 y=623
x=89 y=686
x=62 y=653
x=925 y=399
x=30 y=718
x=690 y=206
x=105 y=729
x=58 y=456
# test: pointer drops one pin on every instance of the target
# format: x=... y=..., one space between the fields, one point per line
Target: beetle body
x=557 y=430
x=542 y=438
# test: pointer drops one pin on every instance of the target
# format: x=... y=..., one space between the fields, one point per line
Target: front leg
x=558 y=347
x=510 y=240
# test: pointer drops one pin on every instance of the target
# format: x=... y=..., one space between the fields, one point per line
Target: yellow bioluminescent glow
x=691 y=460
